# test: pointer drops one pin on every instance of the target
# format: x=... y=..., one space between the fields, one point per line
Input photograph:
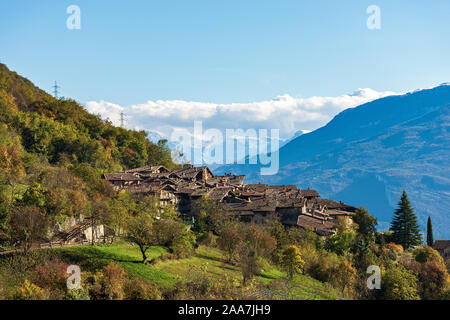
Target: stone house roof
x=317 y=223
x=219 y=193
x=193 y=173
x=259 y=187
x=339 y=213
x=122 y=177
x=330 y=204
x=441 y=244
x=236 y=180
x=301 y=208
x=309 y=193
x=149 y=169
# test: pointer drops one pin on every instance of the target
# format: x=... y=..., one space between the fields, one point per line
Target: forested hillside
x=61 y=128
x=53 y=152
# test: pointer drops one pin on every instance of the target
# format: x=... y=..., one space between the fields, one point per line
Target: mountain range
x=368 y=154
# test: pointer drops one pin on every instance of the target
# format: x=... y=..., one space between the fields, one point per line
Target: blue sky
x=129 y=52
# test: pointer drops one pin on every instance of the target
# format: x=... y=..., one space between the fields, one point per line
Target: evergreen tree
x=366 y=223
x=430 y=239
x=404 y=225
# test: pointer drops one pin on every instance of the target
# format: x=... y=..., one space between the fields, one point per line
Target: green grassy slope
x=165 y=274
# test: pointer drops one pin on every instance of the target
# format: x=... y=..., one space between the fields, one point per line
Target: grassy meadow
x=166 y=273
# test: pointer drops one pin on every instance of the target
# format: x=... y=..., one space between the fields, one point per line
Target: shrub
x=27 y=225
x=200 y=285
x=166 y=256
x=184 y=247
x=433 y=280
x=323 y=265
x=30 y=291
x=399 y=283
x=300 y=237
x=138 y=289
x=174 y=235
x=341 y=243
x=291 y=260
x=425 y=254
x=167 y=232
x=108 y=284
x=208 y=239
x=52 y=275
x=344 y=276
x=396 y=247
x=209 y=215
x=258 y=239
x=248 y=263
x=310 y=255
x=77 y=294
x=394 y=251
x=229 y=241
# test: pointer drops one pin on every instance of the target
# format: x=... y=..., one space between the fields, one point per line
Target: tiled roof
x=315 y=224
x=255 y=206
x=219 y=193
x=149 y=169
x=121 y=177
x=199 y=192
x=441 y=244
x=334 y=205
x=238 y=198
x=335 y=212
x=256 y=187
x=309 y=193
x=286 y=188
x=140 y=188
x=154 y=176
x=236 y=180
x=190 y=172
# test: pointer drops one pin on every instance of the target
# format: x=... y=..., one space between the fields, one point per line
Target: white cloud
x=286 y=113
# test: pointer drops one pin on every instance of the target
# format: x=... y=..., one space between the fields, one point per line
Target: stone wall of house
x=62 y=226
x=98 y=234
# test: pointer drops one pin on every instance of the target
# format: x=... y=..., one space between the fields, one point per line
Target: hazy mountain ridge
x=368 y=154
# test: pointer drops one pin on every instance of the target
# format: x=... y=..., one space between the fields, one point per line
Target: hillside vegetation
x=53 y=152
x=169 y=276
x=52 y=155
x=61 y=130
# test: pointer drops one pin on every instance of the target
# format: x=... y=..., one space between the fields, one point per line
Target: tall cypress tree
x=430 y=239
x=404 y=225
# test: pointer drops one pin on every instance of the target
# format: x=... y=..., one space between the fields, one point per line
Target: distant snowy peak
x=153 y=136
x=296 y=135
x=443 y=84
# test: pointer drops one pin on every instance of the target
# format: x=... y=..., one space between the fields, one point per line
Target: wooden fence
x=59 y=244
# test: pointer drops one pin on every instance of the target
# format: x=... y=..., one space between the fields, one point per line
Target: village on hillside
x=249 y=202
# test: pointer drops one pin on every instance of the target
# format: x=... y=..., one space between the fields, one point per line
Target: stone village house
x=443 y=247
x=250 y=202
